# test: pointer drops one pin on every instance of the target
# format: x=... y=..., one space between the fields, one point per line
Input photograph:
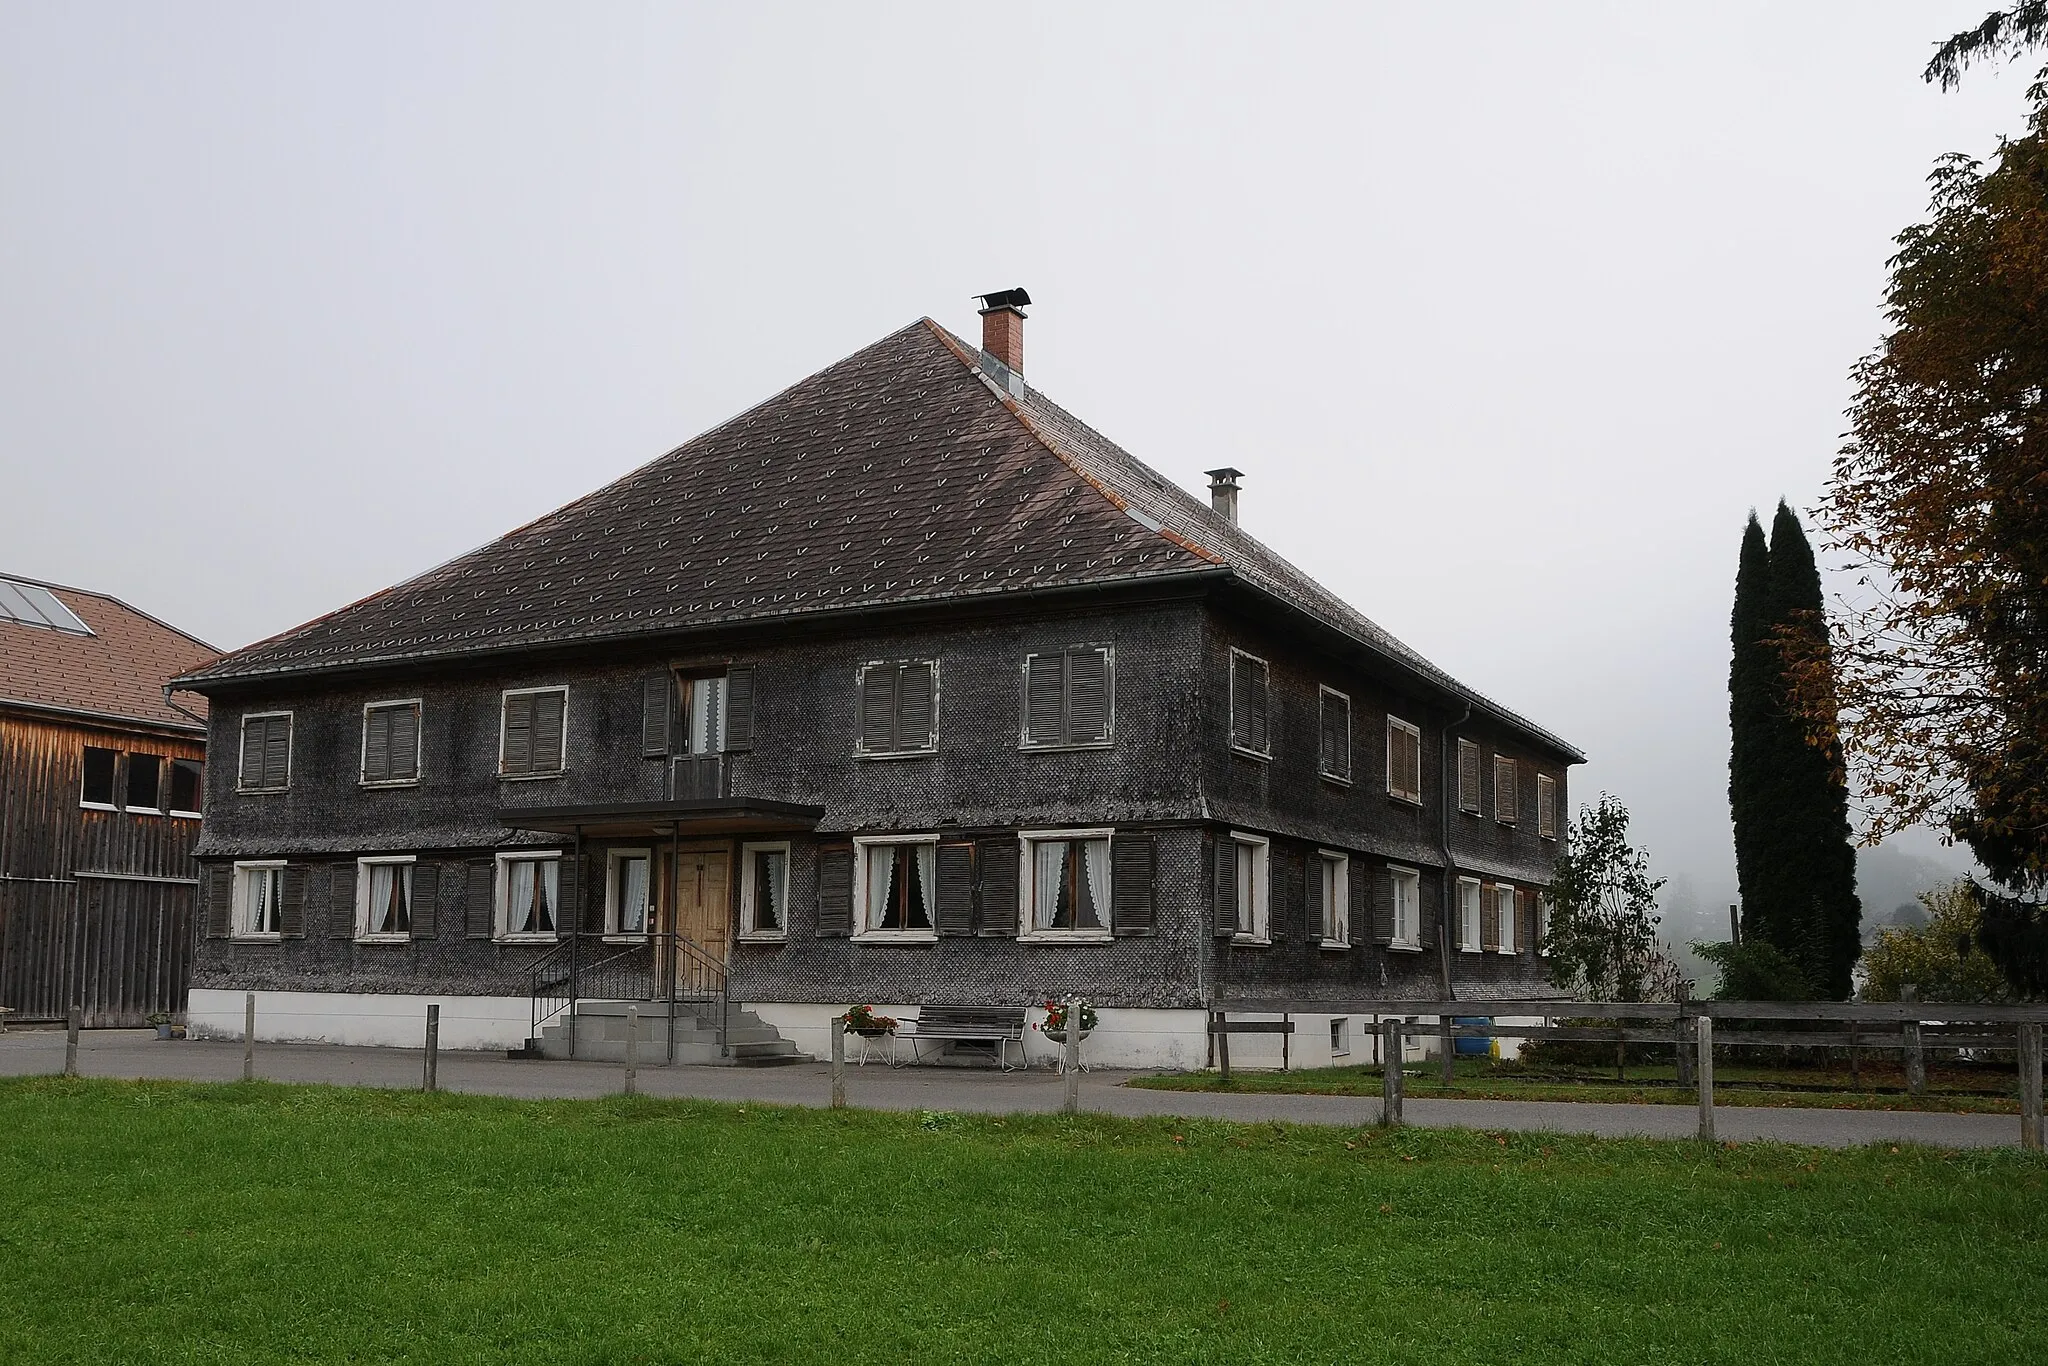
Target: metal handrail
x=656 y=966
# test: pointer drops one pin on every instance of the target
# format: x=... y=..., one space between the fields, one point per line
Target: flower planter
x=163 y=1031
x=871 y=1033
x=1058 y=1033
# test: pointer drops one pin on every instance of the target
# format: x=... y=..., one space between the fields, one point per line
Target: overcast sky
x=1509 y=314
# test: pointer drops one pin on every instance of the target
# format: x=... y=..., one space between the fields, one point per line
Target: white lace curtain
x=1050 y=870
x=530 y=900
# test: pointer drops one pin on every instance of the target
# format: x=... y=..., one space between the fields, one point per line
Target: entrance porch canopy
x=691 y=816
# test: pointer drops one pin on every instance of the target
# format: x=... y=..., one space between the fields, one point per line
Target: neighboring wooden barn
x=101 y=780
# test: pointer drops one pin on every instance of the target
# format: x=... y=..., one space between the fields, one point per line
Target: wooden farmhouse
x=905 y=688
x=103 y=776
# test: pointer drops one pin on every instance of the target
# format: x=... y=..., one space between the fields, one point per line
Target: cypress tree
x=1752 y=725
x=1819 y=867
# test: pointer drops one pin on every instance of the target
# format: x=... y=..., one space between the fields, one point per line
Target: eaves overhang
x=684 y=818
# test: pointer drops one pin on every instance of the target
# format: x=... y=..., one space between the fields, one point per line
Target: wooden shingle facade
x=905 y=688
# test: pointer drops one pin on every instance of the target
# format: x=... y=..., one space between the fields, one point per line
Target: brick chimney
x=1223 y=492
x=1002 y=328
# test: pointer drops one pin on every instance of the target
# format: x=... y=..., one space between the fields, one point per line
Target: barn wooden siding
x=96 y=907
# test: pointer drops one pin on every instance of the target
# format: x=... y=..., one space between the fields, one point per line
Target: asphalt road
x=139 y=1054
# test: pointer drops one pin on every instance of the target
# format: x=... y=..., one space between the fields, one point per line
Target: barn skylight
x=33 y=605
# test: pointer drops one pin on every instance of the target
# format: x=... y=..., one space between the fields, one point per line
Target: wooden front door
x=703 y=902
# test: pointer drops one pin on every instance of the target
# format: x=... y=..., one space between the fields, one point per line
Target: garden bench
x=998 y=1025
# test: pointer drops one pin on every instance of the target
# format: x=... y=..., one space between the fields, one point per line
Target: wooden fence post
x=1450 y=1049
x=2030 y=1086
x=1683 y=1053
x=1072 y=1049
x=71 y=1022
x=1390 y=1073
x=431 y=1080
x=632 y=1050
x=1855 y=1058
x=249 y=1036
x=1222 y=1047
x=1916 y=1057
x=838 y=1064
x=1706 y=1078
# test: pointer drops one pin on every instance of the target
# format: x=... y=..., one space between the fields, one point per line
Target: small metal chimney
x=1223 y=492
x=1002 y=328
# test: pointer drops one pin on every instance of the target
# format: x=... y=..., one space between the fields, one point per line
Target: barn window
x=1067 y=698
x=1250 y=724
x=97 y=790
x=391 y=742
x=1404 y=760
x=1067 y=881
x=188 y=782
x=145 y=786
x=1334 y=760
x=259 y=900
x=899 y=711
x=898 y=885
x=266 y=752
x=384 y=899
x=764 y=891
x=530 y=737
x=529 y=896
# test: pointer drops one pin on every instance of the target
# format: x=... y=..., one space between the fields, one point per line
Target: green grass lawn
x=1957 y=1091
x=144 y=1222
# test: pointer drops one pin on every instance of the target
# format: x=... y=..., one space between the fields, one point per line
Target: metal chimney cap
x=1013 y=299
x=1225 y=478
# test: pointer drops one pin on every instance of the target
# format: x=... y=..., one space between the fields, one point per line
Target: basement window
x=97 y=790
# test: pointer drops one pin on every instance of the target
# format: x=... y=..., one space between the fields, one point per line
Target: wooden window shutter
x=1240 y=714
x=739 y=708
x=1225 y=895
x=1133 y=879
x=1382 y=904
x=574 y=909
x=1087 y=696
x=998 y=915
x=426 y=899
x=1525 y=919
x=277 y=752
x=341 y=901
x=252 y=756
x=878 y=709
x=1261 y=726
x=1044 y=699
x=547 y=732
x=1507 y=795
x=1312 y=909
x=1336 y=736
x=1489 y=919
x=377 y=745
x=914 y=706
x=1468 y=776
x=220 y=901
x=479 y=898
x=1546 y=806
x=835 y=890
x=405 y=742
x=956 y=889
x=291 y=906
x=518 y=739
x=1535 y=921
x=657 y=706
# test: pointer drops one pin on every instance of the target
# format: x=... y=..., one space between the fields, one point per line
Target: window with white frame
x=1066 y=883
x=266 y=752
x=188 y=782
x=1546 y=806
x=764 y=891
x=701 y=710
x=628 y=892
x=1504 y=903
x=391 y=743
x=96 y=786
x=259 y=899
x=1543 y=924
x=1253 y=884
x=384 y=899
x=1340 y=1036
x=1333 y=902
x=1469 y=915
x=1507 y=790
x=899 y=707
x=1333 y=759
x=1250 y=720
x=897 y=884
x=145 y=786
x=1404 y=760
x=1405 y=930
x=532 y=725
x=1067 y=697
x=529 y=896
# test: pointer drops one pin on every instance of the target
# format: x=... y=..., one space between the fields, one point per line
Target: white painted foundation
x=363 y=1019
